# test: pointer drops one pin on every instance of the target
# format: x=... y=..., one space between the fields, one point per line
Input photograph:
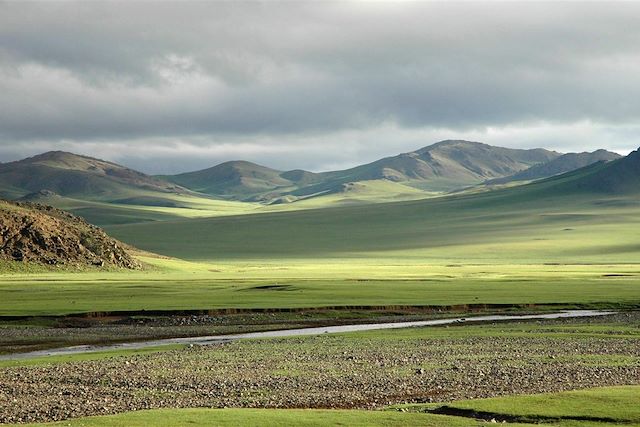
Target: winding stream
x=215 y=339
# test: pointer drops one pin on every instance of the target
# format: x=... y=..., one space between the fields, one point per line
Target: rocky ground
x=39 y=333
x=336 y=371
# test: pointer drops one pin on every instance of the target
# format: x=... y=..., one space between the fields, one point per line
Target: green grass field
x=150 y=206
x=175 y=285
x=490 y=248
x=262 y=417
x=619 y=404
x=508 y=226
x=521 y=246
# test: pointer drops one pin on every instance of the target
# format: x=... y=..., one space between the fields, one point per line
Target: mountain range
x=180 y=220
x=443 y=166
x=58 y=177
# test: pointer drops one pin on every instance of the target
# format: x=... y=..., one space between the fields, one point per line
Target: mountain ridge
x=447 y=164
x=69 y=174
x=54 y=177
x=565 y=163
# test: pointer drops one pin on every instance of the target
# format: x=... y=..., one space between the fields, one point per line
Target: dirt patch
x=507 y=418
x=274 y=287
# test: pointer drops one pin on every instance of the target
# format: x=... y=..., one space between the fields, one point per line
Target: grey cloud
x=211 y=73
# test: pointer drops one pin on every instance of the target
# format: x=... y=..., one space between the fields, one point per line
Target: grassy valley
x=215 y=266
x=559 y=220
x=312 y=213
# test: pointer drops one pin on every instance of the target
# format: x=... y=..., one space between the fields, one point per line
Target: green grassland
x=138 y=206
x=516 y=225
x=262 y=417
x=536 y=244
x=355 y=193
x=146 y=206
x=174 y=285
x=620 y=404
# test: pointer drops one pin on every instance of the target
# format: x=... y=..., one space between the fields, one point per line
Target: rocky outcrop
x=41 y=234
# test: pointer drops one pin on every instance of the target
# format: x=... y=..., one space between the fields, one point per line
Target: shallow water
x=214 y=339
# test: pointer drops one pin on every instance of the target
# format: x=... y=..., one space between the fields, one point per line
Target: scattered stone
x=314 y=372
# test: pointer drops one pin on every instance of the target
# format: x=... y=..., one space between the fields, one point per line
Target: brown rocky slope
x=41 y=234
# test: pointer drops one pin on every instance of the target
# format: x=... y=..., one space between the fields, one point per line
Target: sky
x=171 y=87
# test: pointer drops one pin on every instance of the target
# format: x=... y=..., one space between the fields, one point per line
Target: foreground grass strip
x=619 y=405
x=263 y=417
x=593 y=407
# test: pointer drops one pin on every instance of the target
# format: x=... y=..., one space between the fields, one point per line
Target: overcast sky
x=169 y=87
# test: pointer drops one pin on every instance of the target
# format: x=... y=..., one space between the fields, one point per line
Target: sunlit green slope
x=588 y=215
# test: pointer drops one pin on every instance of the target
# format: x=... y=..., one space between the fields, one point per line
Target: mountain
x=241 y=179
x=72 y=175
x=618 y=177
x=45 y=235
x=439 y=167
x=462 y=161
x=565 y=163
x=86 y=185
x=443 y=166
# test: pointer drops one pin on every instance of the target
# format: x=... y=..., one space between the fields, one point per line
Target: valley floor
x=365 y=370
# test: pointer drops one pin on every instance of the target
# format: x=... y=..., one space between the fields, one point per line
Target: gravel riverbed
x=343 y=371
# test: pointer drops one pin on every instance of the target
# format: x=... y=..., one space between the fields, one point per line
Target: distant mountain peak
x=69 y=174
x=57 y=155
x=451 y=143
x=565 y=163
x=67 y=160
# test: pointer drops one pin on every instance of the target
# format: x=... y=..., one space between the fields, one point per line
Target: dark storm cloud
x=264 y=80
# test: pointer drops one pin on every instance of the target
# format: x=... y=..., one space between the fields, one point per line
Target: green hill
x=241 y=180
x=458 y=161
x=103 y=192
x=72 y=175
x=107 y=194
x=444 y=166
x=565 y=163
x=619 y=177
x=588 y=214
